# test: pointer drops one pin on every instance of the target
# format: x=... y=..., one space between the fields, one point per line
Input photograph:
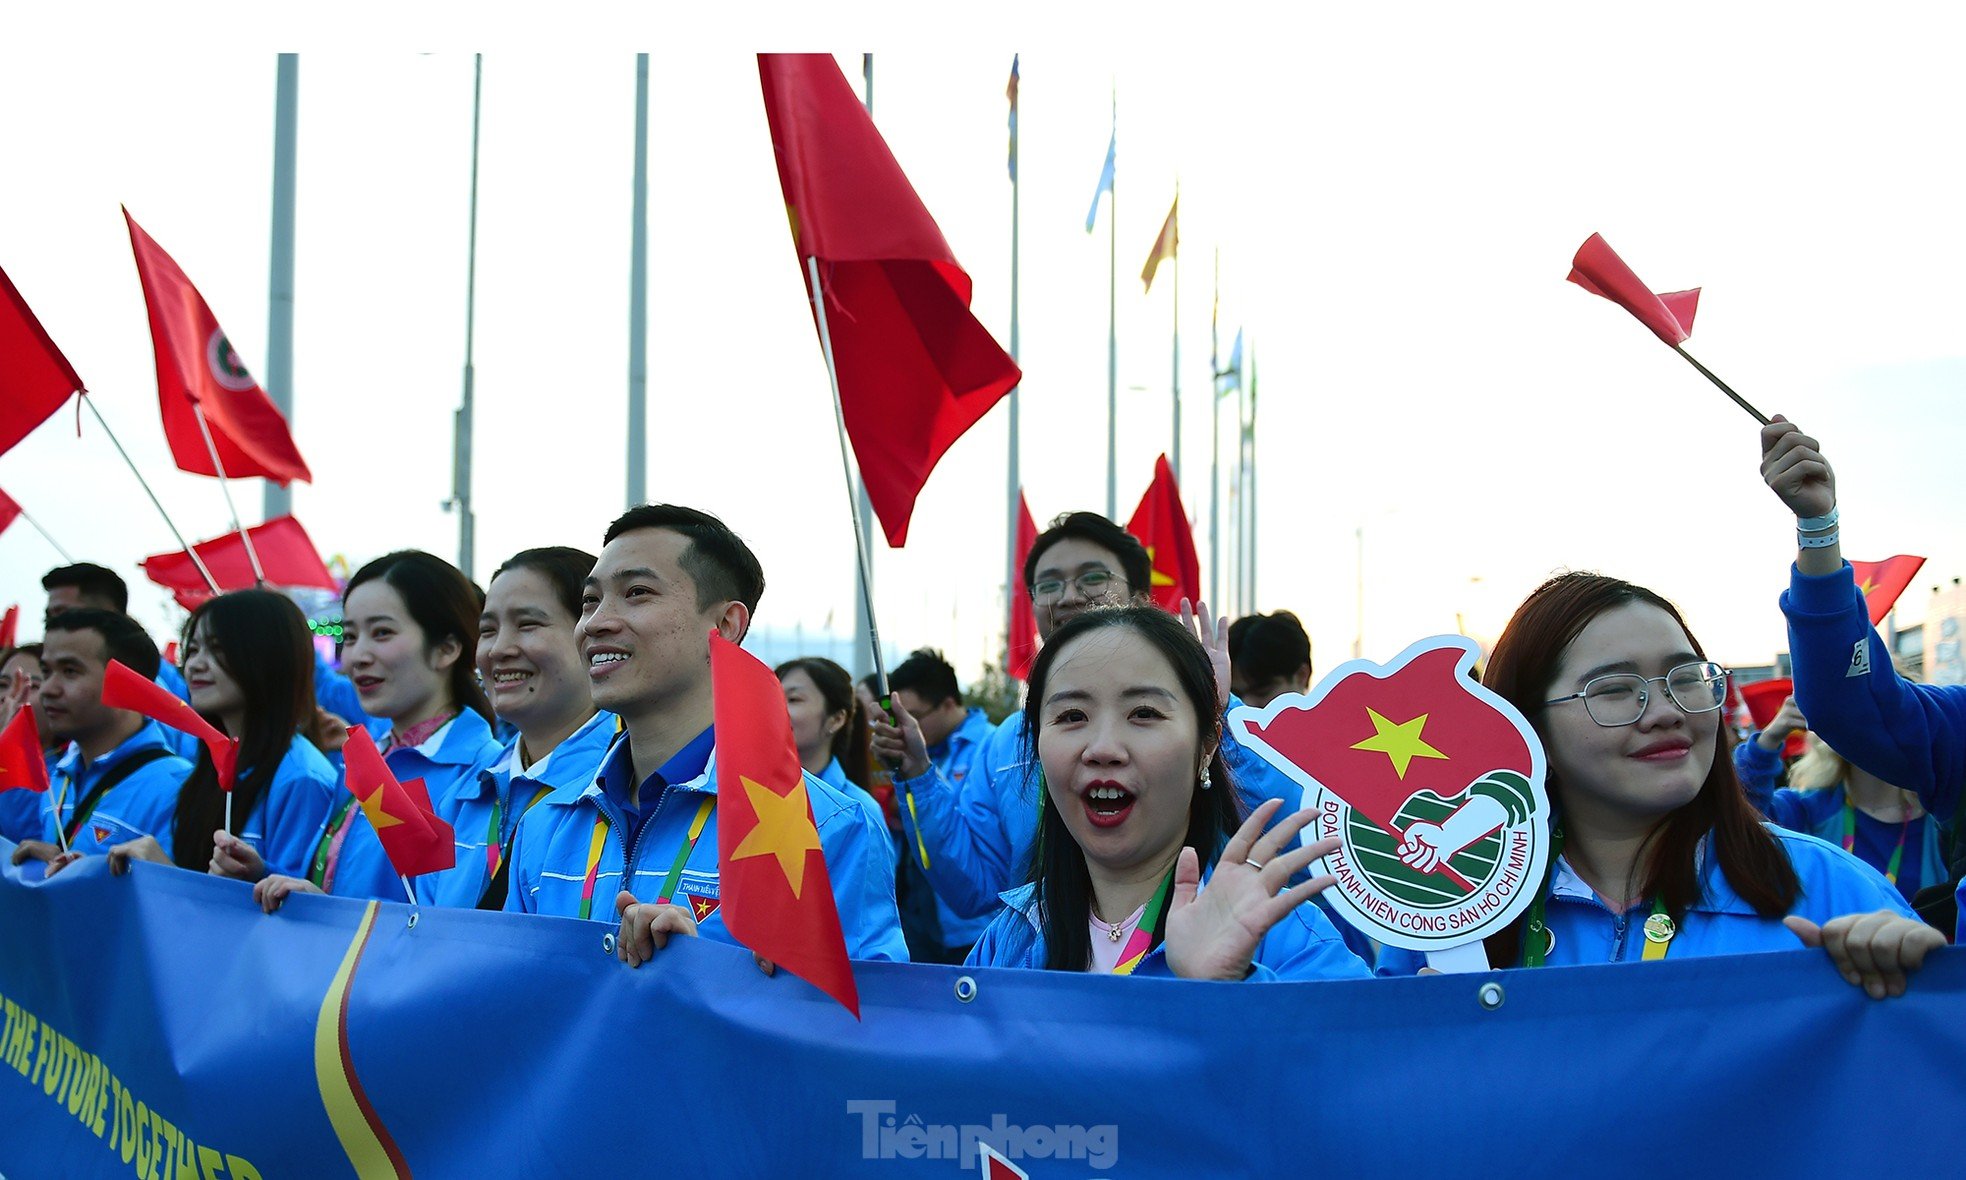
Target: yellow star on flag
x=784 y=829
x=1156 y=577
x=1400 y=742
x=378 y=817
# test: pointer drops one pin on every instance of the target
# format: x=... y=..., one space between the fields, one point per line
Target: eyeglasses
x=1091 y=584
x=1620 y=697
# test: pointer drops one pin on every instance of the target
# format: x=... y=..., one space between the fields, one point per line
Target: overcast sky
x=1395 y=196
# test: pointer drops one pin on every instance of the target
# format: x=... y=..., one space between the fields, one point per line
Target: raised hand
x=1213 y=933
x=1793 y=467
x=899 y=744
x=1214 y=636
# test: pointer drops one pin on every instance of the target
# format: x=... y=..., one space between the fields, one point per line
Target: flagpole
x=45 y=534
x=1013 y=584
x=61 y=829
x=275 y=499
x=461 y=429
x=225 y=488
x=638 y=285
x=196 y=560
x=846 y=466
x=1251 y=606
x=863 y=507
x=1174 y=462
x=1215 y=440
x=1112 y=326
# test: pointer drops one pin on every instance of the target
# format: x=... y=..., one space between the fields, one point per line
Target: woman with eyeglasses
x=1658 y=853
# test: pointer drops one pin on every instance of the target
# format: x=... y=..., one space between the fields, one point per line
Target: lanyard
x=1850 y=839
x=497 y=850
x=1143 y=938
x=920 y=844
x=599 y=841
x=317 y=874
x=1538 y=938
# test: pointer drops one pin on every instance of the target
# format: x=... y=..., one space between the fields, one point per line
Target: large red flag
x=35 y=378
x=22 y=761
x=1598 y=269
x=197 y=365
x=122 y=688
x=1883 y=581
x=9 y=628
x=777 y=897
x=1161 y=524
x=1023 y=642
x=915 y=368
x=285 y=551
x=416 y=840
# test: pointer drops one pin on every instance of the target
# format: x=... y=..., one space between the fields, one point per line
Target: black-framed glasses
x=1619 y=698
x=1091 y=584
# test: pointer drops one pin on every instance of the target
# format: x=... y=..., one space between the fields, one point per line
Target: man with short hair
x=85 y=585
x=118 y=779
x=924 y=685
x=1269 y=655
x=641 y=837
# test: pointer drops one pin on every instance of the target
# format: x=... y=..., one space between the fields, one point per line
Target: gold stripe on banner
x=370 y=1149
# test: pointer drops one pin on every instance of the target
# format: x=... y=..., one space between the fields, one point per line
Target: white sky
x=1395 y=194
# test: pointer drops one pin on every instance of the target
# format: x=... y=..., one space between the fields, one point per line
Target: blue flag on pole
x=1105 y=181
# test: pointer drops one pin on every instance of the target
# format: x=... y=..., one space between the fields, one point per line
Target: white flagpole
x=225 y=487
x=196 y=560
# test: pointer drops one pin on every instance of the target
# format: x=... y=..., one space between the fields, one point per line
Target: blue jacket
x=442 y=761
x=550 y=854
x=1819 y=813
x=1910 y=735
x=143 y=804
x=502 y=789
x=1302 y=946
x=1834 y=884
x=835 y=777
x=954 y=759
x=290 y=813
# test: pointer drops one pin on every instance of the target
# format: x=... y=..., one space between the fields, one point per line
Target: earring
x=1205 y=784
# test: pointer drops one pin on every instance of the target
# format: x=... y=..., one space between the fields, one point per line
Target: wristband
x=1817 y=541
x=1817 y=524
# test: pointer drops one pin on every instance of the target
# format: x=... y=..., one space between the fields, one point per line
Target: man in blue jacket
x=925 y=686
x=641 y=836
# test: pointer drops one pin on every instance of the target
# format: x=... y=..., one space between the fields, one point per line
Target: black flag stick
x=1721 y=385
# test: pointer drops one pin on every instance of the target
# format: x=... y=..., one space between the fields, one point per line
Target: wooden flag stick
x=1721 y=385
x=225 y=487
x=846 y=466
x=145 y=484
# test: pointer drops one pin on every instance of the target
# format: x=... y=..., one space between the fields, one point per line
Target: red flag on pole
x=1023 y=644
x=197 y=365
x=777 y=897
x=10 y=628
x=286 y=553
x=23 y=765
x=416 y=840
x=124 y=689
x=35 y=378
x=1598 y=269
x=1764 y=699
x=915 y=368
x=1883 y=581
x=1161 y=524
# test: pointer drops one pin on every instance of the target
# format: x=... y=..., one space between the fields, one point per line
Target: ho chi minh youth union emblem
x=226 y=367
x=1432 y=784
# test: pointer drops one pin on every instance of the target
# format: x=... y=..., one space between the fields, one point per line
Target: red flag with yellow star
x=416 y=840
x=124 y=689
x=22 y=764
x=1161 y=524
x=777 y=898
x=1883 y=581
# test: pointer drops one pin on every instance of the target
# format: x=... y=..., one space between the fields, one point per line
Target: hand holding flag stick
x=1598 y=269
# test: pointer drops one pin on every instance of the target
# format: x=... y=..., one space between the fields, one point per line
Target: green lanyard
x=1143 y=938
x=1850 y=839
x=317 y=874
x=1538 y=939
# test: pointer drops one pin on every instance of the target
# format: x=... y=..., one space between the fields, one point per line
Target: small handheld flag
x=1598 y=269
x=415 y=839
x=23 y=766
x=124 y=689
x=1883 y=581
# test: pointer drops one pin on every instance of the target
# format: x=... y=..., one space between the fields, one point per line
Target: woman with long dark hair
x=829 y=727
x=410 y=622
x=248 y=662
x=1658 y=850
x=1124 y=722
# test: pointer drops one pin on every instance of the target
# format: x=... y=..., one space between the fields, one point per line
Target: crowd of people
x=561 y=720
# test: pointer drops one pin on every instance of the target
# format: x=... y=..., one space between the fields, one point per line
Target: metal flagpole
x=225 y=488
x=1251 y=608
x=846 y=466
x=638 y=286
x=863 y=508
x=461 y=438
x=277 y=500
x=45 y=534
x=1013 y=583
x=1112 y=325
x=196 y=560
x=1215 y=438
x=1175 y=461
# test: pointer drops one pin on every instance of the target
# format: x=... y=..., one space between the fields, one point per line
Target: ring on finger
x=1253 y=863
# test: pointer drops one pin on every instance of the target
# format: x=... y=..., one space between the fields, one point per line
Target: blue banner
x=159 y=1025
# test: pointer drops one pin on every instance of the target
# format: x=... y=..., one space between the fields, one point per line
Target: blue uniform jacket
x=502 y=787
x=141 y=805
x=1304 y=945
x=549 y=857
x=1910 y=735
x=1834 y=883
x=1819 y=813
x=288 y=817
x=954 y=760
x=444 y=759
x=835 y=777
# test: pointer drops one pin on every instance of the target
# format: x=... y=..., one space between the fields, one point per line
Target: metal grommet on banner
x=966 y=988
x=1491 y=996
x=607 y=943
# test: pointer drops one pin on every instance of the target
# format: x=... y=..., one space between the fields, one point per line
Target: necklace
x=1117 y=930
